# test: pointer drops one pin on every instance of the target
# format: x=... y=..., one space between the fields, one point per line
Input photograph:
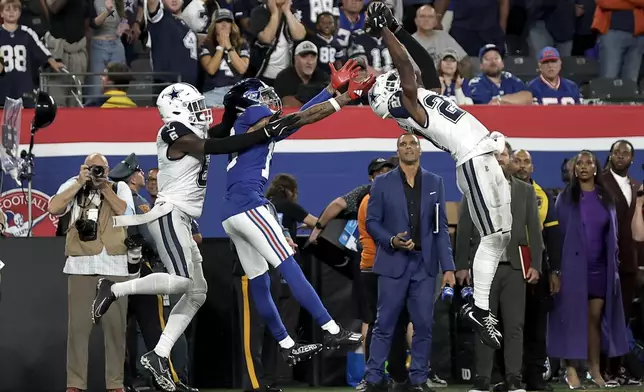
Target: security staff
x=260 y=350
x=147 y=310
x=538 y=298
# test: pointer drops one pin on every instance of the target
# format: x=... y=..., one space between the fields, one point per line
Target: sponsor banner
x=328 y=158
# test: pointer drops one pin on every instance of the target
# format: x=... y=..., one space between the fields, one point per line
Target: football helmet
x=381 y=92
x=182 y=102
x=249 y=92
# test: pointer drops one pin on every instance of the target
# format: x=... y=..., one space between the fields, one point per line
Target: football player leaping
x=247 y=219
x=480 y=178
x=183 y=152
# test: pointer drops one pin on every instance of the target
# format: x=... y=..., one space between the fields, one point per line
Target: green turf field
x=460 y=388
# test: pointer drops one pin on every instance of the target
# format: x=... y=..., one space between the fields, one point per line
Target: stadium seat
x=579 y=69
x=613 y=89
x=523 y=67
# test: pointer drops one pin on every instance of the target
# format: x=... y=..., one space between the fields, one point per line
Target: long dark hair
x=283 y=186
x=574 y=187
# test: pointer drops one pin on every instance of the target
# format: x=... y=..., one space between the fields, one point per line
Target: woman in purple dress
x=587 y=317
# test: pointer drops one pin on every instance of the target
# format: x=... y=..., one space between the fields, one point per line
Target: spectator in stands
x=275 y=27
x=507 y=295
x=436 y=42
x=549 y=88
x=107 y=20
x=453 y=84
x=638 y=218
x=114 y=82
x=494 y=85
x=22 y=54
x=538 y=297
x=550 y=24
x=174 y=45
x=301 y=81
x=92 y=197
x=373 y=49
x=587 y=317
x=282 y=192
x=224 y=56
x=623 y=189
x=310 y=11
x=328 y=46
x=621 y=25
x=134 y=16
x=67 y=43
x=479 y=22
x=351 y=19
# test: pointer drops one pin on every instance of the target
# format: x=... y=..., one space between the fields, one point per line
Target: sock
x=331 y=327
x=260 y=290
x=304 y=293
x=287 y=343
x=156 y=283
x=486 y=260
x=179 y=319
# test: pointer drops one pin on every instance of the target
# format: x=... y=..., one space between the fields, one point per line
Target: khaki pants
x=81 y=290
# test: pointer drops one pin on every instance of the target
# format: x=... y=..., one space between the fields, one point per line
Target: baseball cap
x=378 y=164
x=223 y=14
x=305 y=47
x=449 y=53
x=489 y=47
x=548 y=53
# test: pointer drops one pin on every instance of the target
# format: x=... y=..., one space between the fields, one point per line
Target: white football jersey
x=181 y=181
x=448 y=127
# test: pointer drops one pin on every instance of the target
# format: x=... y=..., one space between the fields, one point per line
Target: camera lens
x=97 y=171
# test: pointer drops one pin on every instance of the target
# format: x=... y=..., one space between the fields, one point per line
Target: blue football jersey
x=482 y=89
x=346 y=27
x=565 y=92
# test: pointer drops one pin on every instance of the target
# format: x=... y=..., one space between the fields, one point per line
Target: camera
x=88 y=227
x=97 y=171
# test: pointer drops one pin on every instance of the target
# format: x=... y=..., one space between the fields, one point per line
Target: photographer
x=94 y=249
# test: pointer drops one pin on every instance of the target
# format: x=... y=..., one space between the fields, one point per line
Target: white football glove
x=499 y=140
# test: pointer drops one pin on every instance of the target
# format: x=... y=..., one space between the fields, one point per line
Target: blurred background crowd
x=119 y=53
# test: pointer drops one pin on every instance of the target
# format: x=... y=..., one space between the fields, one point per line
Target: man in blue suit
x=406 y=218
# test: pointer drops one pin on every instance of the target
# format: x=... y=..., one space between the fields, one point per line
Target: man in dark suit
x=508 y=292
x=412 y=241
x=623 y=188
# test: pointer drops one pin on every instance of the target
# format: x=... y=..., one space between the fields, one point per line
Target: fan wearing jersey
x=247 y=219
x=351 y=18
x=549 y=88
x=451 y=129
x=376 y=52
x=183 y=156
x=328 y=46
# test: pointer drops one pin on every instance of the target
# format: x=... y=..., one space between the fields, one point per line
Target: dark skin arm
x=321 y=110
x=407 y=76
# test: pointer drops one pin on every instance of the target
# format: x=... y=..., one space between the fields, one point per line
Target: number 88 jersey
x=181 y=181
x=448 y=127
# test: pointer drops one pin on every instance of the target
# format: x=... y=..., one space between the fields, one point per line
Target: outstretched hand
x=277 y=126
x=359 y=86
x=340 y=77
x=379 y=16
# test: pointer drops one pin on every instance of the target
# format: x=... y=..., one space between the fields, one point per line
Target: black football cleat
x=102 y=300
x=344 y=338
x=300 y=352
x=159 y=367
x=484 y=322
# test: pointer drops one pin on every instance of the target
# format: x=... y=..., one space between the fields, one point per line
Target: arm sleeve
x=154 y=16
x=235 y=143
x=294 y=210
x=420 y=56
x=173 y=131
x=259 y=18
x=62 y=189
x=36 y=47
x=444 y=243
x=322 y=96
x=124 y=193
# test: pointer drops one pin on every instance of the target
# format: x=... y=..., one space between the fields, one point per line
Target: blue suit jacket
x=387 y=216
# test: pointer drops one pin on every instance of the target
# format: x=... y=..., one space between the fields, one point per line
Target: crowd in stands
x=487 y=51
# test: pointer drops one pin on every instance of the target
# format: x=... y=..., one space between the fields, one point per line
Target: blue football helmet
x=249 y=92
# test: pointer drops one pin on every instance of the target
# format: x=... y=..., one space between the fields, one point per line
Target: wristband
x=335 y=104
x=318 y=225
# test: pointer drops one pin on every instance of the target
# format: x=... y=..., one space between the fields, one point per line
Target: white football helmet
x=182 y=102
x=386 y=85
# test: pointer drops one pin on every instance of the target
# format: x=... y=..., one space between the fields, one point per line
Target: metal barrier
x=72 y=87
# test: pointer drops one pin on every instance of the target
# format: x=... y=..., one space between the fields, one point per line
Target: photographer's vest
x=109 y=237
